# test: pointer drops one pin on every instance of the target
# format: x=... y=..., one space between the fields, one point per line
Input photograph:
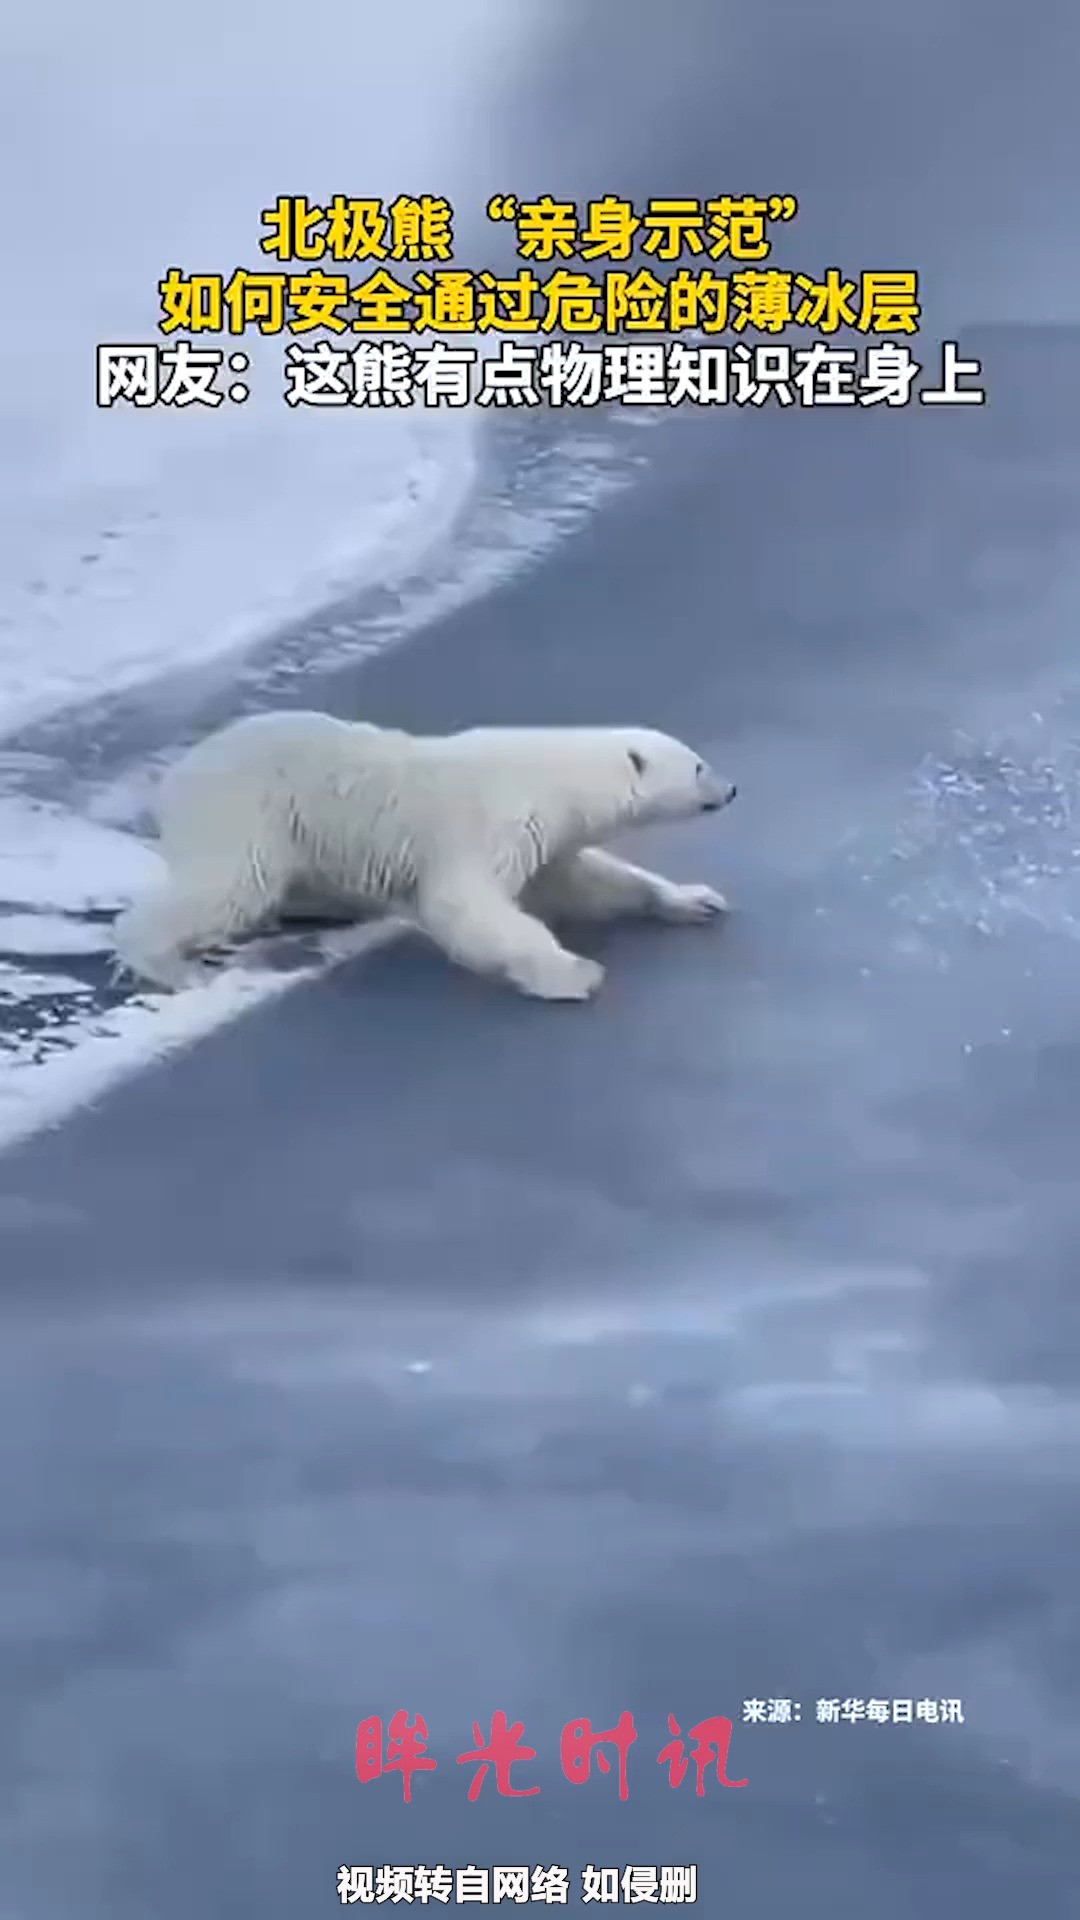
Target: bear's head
x=669 y=781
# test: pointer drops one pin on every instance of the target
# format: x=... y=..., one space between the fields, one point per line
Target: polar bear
x=477 y=839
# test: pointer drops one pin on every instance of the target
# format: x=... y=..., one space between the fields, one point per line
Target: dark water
x=409 y=1346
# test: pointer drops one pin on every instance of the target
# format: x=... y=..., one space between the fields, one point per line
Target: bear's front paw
x=691 y=906
x=163 y=973
x=569 y=976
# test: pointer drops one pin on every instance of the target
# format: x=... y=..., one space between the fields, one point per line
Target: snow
x=135 y=539
x=30 y=933
x=52 y=859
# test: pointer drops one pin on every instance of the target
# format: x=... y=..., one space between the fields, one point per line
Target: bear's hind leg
x=595 y=885
x=157 y=937
x=479 y=928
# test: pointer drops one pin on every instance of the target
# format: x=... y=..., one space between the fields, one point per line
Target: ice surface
x=41 y=1086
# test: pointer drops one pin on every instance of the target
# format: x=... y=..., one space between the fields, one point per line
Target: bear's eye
x=700 y=768
x=637 y=761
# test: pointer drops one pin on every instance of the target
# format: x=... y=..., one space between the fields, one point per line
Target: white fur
x=476 y=837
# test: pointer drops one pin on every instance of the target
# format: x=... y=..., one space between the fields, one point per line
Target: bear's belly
x=315 y=901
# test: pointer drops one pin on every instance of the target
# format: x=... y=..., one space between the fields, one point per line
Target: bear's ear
x=637 y=760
